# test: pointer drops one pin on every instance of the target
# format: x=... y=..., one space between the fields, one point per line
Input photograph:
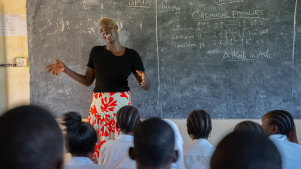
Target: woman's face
x=108 y=32
x=267 y=127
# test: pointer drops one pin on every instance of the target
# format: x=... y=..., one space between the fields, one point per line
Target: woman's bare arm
x=59 y=67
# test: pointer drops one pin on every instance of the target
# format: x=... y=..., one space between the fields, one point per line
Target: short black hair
x=282 y=119
x=199 y=124
x=128 y=118
x=246 y=150
x=154 y=142
x=248 y=125
x=81 y=137
x=30 y=139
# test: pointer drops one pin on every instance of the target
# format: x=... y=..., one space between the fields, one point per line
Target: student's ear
x=132 y=153
x=274 y=129
x=175 y=156
x=293 y=136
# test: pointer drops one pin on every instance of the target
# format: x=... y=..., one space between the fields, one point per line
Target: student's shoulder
x=98 y=166
x=93 y=166
x=189 y=149
x=211 y=146
x=107 y=144
x=295 y=145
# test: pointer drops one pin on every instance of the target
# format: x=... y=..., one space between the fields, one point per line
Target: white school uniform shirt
x=179 y=164
x=198 y=154
x=114 y=154
x=82 y=163
x=290 y=152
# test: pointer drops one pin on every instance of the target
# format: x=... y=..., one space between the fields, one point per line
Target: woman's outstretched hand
x=56 y=68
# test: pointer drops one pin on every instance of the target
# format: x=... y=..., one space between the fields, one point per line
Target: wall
x=221 y=127
x=16 y=89
x=3 y=93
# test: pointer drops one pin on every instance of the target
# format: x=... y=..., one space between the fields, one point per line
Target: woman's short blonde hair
x=107 y=21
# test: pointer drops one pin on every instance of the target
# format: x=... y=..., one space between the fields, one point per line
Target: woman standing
x=111 y=66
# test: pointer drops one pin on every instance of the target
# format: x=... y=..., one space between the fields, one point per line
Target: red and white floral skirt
x=102 y=115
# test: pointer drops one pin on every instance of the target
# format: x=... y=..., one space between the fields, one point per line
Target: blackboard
x=232 y=58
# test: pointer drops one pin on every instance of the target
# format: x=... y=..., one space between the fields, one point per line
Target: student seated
x=80 y=141
x=245 y=150
x=249 y=126
x=115 y=153
x=30 y=139
x=154 y=142
x=178 y=146
x=278 y=124
x=199 y=152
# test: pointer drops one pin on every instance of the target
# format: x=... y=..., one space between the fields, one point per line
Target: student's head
x=80 y=136
x=30 y=139
x=249 y=126
x=199 y=124
x=127 y=118
x=278 y=122
x=178 y=137
x=178 y=144
x=154 y=142
x=245 y=150
x=108 y=29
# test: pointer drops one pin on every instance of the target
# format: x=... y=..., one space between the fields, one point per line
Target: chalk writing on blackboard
x=228 y=32
x=223 y=2
x=87 y=4
x=140 y=3
x=240 y=55
x=235 y=14
x=164 y=6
